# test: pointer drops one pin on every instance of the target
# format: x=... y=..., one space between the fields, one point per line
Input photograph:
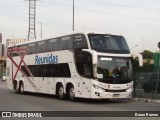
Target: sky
x=137 y=20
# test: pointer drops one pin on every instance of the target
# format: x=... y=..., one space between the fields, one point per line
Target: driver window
x=83 y=62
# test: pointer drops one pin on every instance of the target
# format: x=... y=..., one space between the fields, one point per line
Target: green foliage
x=147 y=54
x=147 y=67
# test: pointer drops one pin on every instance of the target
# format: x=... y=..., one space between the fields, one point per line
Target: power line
x=119 y=5
x=99 y=11
x=10 y=3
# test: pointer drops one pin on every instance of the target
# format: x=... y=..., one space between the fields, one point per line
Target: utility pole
x=32 y=19
x=73 y=15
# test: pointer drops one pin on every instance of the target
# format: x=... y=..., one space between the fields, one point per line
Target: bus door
x=83 y=60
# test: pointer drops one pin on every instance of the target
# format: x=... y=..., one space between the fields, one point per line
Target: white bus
x=79 y=65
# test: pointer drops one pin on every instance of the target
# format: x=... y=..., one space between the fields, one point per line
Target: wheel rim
x=61 y=92
x=17 y=88
x=72 y=94
x=22 y=88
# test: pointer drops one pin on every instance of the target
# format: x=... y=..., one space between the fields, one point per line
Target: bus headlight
x=98 y=88
x=130 y=89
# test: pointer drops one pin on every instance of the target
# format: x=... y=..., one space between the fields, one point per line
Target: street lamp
x=41 y=28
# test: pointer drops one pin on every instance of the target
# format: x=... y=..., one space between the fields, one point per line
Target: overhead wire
x=8 y=3
x=99 y=11
x=120 y=5
x=57 y=3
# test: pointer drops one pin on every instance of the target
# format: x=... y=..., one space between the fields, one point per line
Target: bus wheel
x=72 y=93
x=21 y=88
x=61 y=94
x=17 y=88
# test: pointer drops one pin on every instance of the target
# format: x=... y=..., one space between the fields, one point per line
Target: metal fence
x=146 y=85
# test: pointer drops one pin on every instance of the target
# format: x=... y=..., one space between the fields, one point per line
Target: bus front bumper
x=111 y=95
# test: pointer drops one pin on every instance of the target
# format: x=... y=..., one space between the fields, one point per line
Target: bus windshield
x=108 y=43
x=114 y=70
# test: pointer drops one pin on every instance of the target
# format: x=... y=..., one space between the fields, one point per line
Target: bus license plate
x=115 y=95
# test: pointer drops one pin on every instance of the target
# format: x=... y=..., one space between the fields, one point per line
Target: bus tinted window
x=83 y=61
x=52 y=44
x=108 y=43
x=31 y=48
x=79 y=41
x=62 y=70
x=41 y=47
x=75 y=41
x=25 y=71
x=65 y=43
x=48 y=70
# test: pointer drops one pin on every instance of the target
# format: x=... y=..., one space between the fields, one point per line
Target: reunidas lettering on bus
x=50 y=58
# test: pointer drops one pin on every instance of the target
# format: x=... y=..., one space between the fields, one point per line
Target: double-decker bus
x=78 y=65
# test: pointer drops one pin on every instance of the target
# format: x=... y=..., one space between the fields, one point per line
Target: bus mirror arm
x=140 y=58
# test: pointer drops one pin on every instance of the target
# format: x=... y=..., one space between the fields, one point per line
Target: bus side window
x=31 y=48
x=83 y=61
x=79 y=41
x=87 y=70
x=52 y=45
x=65 y=43
x=41 y=47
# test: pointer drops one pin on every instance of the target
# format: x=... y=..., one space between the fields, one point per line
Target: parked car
x=149 y=82
x=4 y=77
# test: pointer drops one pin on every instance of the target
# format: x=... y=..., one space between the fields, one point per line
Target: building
x=2 y=57
x=0 y=37
x=15 y=41
x=2 y=51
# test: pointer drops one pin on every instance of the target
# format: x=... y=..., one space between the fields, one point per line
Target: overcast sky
x=137 y=20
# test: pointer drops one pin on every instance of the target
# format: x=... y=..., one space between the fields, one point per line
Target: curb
x=146 y=100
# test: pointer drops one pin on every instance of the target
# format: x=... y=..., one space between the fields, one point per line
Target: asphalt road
x=10 y=101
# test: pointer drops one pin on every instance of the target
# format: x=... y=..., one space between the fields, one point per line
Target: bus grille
x=115 y=90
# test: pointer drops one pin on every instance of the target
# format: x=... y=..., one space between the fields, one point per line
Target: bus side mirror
x=140 y=58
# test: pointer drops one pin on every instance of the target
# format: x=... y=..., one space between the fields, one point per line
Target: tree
x=147 y=54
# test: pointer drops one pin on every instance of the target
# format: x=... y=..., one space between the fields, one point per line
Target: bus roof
x=47 y=38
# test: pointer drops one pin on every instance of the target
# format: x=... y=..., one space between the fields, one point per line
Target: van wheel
x=21 y=88
x=72 y=94
x=61 y=94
